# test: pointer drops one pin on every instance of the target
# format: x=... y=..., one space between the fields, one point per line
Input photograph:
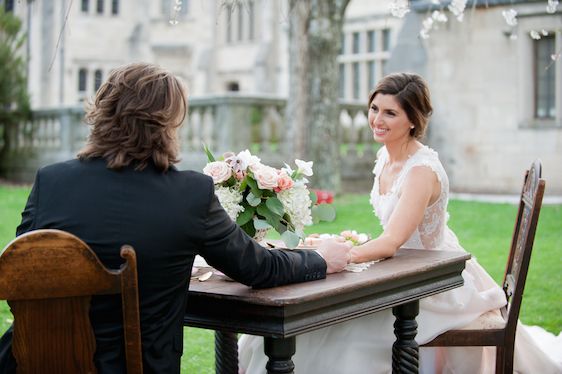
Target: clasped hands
x=336 y=253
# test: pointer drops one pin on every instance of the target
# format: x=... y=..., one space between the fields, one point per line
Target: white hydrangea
x=230 y=199
x=297 y=204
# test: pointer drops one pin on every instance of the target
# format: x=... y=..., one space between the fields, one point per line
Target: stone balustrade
x=224 y=123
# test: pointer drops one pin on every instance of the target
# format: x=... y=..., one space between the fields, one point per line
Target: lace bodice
x=430 y=233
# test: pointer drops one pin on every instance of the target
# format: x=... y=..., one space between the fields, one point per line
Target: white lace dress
x=364 y=345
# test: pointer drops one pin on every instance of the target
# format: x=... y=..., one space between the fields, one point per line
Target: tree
x=14 y=99
x=312 y=108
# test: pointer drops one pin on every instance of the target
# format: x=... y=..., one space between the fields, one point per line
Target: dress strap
x=425 y=156
x=380 y=161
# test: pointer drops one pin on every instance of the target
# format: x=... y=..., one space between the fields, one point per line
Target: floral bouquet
x=259 y=197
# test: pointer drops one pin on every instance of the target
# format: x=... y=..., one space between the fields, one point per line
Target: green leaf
x=290 y=239
x=249 y=229
x=324 y=212
x=275 y=205
x=261 y=224
x=271 y=218
x=254 y=186
x=243 y=185
x=253 y=200
x=313 y=197
x=210 y=156
x=246 y=215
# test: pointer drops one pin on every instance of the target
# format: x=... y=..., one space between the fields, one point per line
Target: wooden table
x=280 y=314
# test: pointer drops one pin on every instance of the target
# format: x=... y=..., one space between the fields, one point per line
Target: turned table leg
x=405 y=349
x=280 y=352
x=226 y=352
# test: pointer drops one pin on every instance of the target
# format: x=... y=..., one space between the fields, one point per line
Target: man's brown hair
x=134 y=118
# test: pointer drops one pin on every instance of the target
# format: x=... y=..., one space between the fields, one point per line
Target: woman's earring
x=412 y=126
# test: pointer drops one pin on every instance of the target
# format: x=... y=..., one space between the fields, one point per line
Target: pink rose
x=266 y=176
x=284 y=182
x=220 y=171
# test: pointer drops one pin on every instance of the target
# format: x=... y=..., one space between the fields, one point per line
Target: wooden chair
x=502 y=335
x=48 y=277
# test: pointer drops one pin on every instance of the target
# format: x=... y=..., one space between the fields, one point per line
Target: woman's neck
x=400 y=152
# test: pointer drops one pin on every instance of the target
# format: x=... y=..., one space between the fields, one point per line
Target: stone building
x=497 y=105
x=497 y=92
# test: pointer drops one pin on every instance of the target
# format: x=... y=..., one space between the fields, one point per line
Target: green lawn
x=484 y=229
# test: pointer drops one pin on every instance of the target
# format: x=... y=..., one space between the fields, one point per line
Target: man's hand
x=335 y=253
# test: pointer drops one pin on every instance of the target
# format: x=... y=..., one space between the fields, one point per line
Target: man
x=124 y=189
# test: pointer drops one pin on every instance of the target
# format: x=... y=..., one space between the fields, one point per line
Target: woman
x=409 y=196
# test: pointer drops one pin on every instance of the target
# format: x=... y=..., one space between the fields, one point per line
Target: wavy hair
x=135 y=116
x=412 y=94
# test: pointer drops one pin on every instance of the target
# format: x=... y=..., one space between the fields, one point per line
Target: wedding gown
x=364 y=345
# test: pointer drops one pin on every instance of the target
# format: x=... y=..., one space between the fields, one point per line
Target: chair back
x=48 y=278
x=522 y=245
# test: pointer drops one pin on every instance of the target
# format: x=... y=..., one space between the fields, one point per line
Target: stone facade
x=481 y=74
x=481 y=79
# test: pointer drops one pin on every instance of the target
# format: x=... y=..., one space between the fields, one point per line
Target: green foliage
x=14 y=100
x=487 y=239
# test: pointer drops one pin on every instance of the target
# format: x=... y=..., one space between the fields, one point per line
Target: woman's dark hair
x=135 y=116
x=413 y=96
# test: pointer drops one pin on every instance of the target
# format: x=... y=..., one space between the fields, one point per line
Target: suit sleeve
x=28 y=214
x=229 y=249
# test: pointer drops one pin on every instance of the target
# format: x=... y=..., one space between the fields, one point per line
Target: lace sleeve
x=433 y=224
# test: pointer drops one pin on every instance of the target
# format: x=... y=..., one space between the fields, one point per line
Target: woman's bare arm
x=421 y=188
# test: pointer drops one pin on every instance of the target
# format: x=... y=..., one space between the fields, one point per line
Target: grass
x=484 y=229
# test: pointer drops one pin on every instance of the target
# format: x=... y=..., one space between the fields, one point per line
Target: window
x=228 y=14
x=371 y=74
x=97 y=79
x=342 y=80
x=9 y=5
x=386 y=40
x=115 y=7
x=165 y=7
x=82 y=80
x=371 y=41
x=361 y=63
x=251 y=20
x=356 y=80
x=85 y=6
x=240 y=23
x=545 y=78
x=356 y=42
x=233 y=87
x=99 y=6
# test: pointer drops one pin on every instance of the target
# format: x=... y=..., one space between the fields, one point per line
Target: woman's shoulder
x=425 y=155
x=428 y=157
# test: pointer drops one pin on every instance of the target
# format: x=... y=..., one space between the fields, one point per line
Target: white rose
x=220 y=171
x=248 y=159
x=266 y=176
x=304 y=167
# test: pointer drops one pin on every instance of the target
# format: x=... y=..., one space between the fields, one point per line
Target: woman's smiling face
x=388 y=121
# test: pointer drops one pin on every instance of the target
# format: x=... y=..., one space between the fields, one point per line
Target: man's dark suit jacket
x=168 y=218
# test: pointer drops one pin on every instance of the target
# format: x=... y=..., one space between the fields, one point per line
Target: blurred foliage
x=14 y=99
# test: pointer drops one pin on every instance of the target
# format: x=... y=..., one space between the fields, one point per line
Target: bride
x=409 y=197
